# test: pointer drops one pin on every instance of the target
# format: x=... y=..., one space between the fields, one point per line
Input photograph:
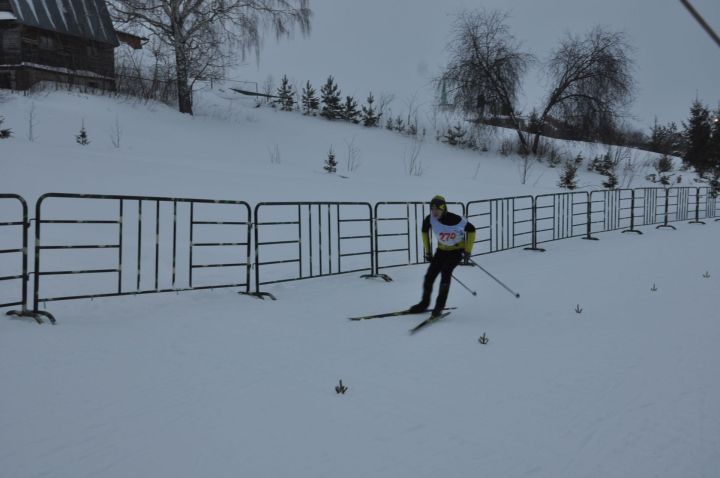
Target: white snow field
x=212 y=383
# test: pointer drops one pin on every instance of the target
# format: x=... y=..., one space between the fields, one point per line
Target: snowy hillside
x=225 y=152
x=604 y=367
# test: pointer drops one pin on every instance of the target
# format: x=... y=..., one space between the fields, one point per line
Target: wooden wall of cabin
x=64 y=51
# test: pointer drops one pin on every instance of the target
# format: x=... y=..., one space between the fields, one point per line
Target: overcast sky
x=397 y=46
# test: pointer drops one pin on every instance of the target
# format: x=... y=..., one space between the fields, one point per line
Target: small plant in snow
x=455 y=136
x=330 y=162
x=82 y=137
x=6 y=132
x=484 y=339
x=568 y=177
x=399 y=124
x=654 y=288
x=340 y=389
x=369 y=116
x=578 y=309
x=353 y=155
x=116 y=133
x=32 y=123
x=310 y=101
x=350 y=110
x=706 y=274
x=413 y=164
x=274 y=153
x=286 y=94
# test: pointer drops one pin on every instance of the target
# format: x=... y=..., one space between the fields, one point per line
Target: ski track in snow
x=222 y=385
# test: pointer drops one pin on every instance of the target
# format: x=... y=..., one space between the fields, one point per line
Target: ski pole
x=495 y=278
x=466 y=287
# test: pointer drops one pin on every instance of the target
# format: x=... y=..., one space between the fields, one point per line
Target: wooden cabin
x=65 y=41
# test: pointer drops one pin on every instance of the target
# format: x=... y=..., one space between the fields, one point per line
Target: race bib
x=448 y=235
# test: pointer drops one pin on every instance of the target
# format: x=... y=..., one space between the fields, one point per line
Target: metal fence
x=14 y=224
x=398 y=240
x=127 y=245
x=300 y=240
x=117 y=240
x=611 y=210
x=501 y=224
x=561 y=216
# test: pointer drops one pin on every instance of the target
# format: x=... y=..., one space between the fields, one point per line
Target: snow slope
x=224 y=153
x=218 y=384
x=222 y=385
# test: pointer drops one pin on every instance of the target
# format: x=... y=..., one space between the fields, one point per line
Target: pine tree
x=412 y=129
x=611 y=182
x=698 y=133
x=330 y=162
x=390 y=123
x=6 y=132
x=330 y=98
x=455 y=136
x=399 y=124
x=369 y=117
x=310 y=102
x=286 y=94
x=714 y=146
x=82 y=137
x=350 y=111
x=568 y=178
x=664 y=139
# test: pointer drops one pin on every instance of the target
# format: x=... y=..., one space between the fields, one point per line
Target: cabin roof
x=87 y=19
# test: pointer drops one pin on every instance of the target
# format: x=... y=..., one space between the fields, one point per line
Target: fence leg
x=534 y=246
x=667 y=205
x=697 y=208
x=589 y=236
x=632 y=215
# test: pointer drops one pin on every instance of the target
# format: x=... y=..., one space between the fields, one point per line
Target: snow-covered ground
x=222 y=385
x=218 y=384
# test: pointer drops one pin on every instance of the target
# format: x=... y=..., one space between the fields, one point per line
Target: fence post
x=697 y=208
x=667 y=205
x=632 y=215
x=589 y=236
x=24 y=275
x=534 y=246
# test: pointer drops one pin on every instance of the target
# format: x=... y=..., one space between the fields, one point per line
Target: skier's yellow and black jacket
x=454 y=233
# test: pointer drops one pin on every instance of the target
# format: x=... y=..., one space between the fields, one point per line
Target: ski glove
x=428 y=256
x=466 y=256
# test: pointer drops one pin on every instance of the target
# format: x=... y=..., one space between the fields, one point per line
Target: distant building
x=65 y=41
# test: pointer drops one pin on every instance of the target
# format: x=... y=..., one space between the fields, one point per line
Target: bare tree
x=353 y=155
x=204 y=34
x=592 y=81
x=411 y=158
x=116 y=133
x=32 y=122
x=486 y=66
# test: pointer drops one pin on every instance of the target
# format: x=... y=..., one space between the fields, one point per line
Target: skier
x=456 y=236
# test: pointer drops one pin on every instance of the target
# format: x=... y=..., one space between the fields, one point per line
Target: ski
x=428 y=321
x=391 y=314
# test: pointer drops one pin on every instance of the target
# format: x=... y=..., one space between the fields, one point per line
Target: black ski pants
x=443 y=263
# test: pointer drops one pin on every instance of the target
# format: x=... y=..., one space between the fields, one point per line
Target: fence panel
x=13 y=251
x=611 y=210
x=712 y=203
x=123 y=245
x=561 y=216
x=398 y=239
x=300 y=240
x=501 y=224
